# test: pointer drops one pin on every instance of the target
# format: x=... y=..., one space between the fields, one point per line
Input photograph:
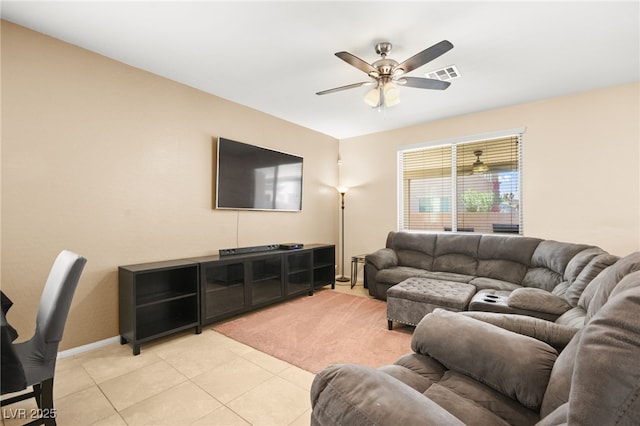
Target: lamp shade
x=391 y=95
x=342 y=189
x=372 y=98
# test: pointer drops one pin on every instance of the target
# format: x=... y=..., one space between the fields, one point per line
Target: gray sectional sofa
x=501 y=368
x=522 y=275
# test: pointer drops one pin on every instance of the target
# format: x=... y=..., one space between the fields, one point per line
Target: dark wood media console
x=160 y=298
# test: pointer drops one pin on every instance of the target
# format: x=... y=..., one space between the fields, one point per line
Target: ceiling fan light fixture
x=391 y=95
x=372 y=98
x=478 y=168
x=384 y=96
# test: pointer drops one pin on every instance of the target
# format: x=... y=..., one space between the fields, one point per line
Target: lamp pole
x=342 y=191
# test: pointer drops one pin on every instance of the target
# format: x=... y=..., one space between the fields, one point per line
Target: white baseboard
x=87 y=348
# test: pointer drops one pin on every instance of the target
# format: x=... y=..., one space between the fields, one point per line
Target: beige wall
x=581 y=169
x=116 y=164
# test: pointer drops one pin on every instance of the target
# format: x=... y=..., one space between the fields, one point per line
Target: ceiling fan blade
x=356 y=62
x=427 y=55
x=347 y=87
x=424 y=83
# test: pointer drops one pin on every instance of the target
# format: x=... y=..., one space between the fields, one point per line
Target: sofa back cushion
x=629 y=281
x=548 y=264
x=597 y=373
x=599 y=289
x=596 y=265
x=513 y=364
x=457 y=253
x=606 y=377
x=577 y=264
x=505 y=258
x=413 y=249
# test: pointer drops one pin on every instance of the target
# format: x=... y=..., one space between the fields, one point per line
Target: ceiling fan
x=387 y=74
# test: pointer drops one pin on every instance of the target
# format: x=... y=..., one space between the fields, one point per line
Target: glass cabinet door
x=224 y=293
x=299 y=273
x=266 y=280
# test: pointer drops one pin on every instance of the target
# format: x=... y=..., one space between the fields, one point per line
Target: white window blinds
x=427 y=199
x=465 y=186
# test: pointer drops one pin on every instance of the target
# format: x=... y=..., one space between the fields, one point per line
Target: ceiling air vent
x=444 y=74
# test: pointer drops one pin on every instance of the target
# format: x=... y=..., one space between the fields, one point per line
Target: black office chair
x=38 y=355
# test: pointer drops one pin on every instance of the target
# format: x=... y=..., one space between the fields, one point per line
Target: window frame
x=454 y=143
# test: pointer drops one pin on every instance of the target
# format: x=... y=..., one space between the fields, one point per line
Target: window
x=469 y=185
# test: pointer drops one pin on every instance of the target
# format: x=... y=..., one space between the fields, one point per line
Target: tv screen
x=254 y=178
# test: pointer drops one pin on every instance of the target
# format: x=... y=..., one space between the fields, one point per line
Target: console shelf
x=158 y=299
x=324 y=271
x=161 y=298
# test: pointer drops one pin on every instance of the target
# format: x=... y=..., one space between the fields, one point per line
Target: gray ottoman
x=409 y=301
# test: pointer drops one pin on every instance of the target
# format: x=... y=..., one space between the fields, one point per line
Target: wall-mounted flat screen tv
x=249 y=177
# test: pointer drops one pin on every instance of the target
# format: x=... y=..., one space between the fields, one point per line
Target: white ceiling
x=274 y=56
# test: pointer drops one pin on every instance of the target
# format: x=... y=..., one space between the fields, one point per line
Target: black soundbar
x=291 y=246
x=244 y=250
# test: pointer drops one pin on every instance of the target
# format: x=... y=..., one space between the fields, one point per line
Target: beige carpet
x=327 y=328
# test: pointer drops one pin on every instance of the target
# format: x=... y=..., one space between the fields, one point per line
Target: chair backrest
x=57 y=295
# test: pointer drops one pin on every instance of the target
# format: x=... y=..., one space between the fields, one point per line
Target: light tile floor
x=184 y=379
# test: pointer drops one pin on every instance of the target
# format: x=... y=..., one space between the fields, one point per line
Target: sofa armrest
x=383 y=258
x=536 y=299
x=553 y=334
x=346 y=394
x=513 y=364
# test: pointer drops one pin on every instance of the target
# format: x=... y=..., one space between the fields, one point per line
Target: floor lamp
x=342 y=190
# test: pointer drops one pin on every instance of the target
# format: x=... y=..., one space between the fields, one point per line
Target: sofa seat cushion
x=466 y=410
x=351 y=395
x=415 y=370
x=476 y=403
x=446 y=276
x=395 y=275
x=514 y=365
x=408 y=377
x=574 y=317
x=483 y=283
